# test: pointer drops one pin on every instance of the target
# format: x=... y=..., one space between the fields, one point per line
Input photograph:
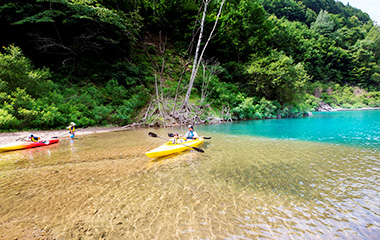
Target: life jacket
x=34 y=139
x=190 y=135
x=72 y=129
x=177 y=141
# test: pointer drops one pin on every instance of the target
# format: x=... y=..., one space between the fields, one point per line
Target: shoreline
x=357 y=109
x=7 y=137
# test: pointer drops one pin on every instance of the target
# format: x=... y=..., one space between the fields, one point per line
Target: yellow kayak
x=170 y=148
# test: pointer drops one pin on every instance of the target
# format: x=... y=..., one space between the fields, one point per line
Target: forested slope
x=116 y=62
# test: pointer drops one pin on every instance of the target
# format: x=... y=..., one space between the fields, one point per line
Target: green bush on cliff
x=252 y=108
x=29 y=99
x=17 y=71
x=346 y=96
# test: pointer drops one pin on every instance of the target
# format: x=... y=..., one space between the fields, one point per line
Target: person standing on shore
x=191 y=134
x=71 y=129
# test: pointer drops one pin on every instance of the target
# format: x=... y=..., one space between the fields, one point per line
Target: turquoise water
x=310 y=178
x=354 y=128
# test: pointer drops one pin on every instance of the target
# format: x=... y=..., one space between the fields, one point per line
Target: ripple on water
x=240 y=188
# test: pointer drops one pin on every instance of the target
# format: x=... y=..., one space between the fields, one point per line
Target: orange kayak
x=25 y=145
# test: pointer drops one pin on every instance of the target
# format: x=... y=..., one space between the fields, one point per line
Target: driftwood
x=147 y=111
x=180 y=117
x=226 y=112
x=324 y=107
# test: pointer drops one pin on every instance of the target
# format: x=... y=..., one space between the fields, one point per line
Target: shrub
x=312 y=102
x=7 y=120
x=249 y=108
x=17 y=71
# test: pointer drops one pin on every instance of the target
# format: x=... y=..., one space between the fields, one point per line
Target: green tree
x=323 y=24
x=243 y=30
x=17 y=71
x=374 y=36
x=289 y=9
x=311 y=16
x=277 y=77
x=366 y=55
x=69 y=34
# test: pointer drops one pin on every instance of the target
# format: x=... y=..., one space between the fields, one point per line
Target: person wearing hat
x=71 y=129
x=34 y=138
x=191 y=134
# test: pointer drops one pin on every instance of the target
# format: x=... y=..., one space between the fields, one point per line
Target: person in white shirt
x=191 y=134
x=176 y=139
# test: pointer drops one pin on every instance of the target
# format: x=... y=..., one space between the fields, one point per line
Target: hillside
x=117 y=62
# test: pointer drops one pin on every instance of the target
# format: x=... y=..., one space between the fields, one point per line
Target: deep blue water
x=357 y=128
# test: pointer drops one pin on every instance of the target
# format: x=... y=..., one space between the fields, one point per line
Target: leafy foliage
x=251 y=108
x=94 y=62
x=29 y=100
x=323 y=24
x=16 y=71
x=277 y=77
x=341 y=96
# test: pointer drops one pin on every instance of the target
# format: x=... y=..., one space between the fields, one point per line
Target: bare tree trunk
x=159 y=69
x=209 y=71
x=147 y=111
x=160 y=102
x=162 y=48
x=163 y=104
x=204 y=88
x=197 y=58
x=188 y=51
x=157 y=94
x=179 y=85
x=226 y=109
x=193 y=73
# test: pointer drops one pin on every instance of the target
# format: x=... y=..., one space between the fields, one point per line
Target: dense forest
x=165 y=62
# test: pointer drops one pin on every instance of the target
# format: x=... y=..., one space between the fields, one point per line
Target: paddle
x=61 y=135
x=172 y=135
x=155 y=135
x=21 y=138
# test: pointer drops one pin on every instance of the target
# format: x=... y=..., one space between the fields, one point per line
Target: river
x=307 y=178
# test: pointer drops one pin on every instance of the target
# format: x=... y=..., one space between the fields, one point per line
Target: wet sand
x=8 y=137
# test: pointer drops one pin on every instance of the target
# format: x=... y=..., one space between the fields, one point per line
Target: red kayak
x=25 y=145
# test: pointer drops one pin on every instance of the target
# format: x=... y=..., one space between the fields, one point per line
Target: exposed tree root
x=183 y=115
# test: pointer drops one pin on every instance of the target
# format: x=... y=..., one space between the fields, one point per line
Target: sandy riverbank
x=8 y=137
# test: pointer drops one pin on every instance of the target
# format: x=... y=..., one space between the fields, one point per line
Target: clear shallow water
x=355 y=128
x=243 y=187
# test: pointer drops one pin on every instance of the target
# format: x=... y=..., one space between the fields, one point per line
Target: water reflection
x=73 y=148
x=26 y=157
